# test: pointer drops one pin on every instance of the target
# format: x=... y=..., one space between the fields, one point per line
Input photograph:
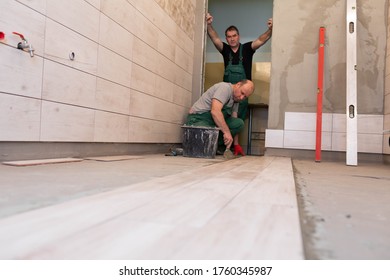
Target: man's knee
x=236 y=124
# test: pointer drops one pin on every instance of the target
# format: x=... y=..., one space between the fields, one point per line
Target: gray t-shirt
x=222 y=92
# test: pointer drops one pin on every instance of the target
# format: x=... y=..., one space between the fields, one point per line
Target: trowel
x=228 y=153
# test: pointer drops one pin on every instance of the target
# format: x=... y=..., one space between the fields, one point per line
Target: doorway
x=251 y=18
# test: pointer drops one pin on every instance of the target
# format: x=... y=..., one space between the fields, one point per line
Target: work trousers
x=205 y=119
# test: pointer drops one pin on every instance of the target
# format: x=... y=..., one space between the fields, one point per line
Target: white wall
x=130 y=81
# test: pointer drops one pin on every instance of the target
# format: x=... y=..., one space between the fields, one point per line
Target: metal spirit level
x=351 y=85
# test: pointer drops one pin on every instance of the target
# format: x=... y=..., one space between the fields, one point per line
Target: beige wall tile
x=182 y=78
x=147 y=32
x=114 y=67
x=176 y=113
x=150 y=10
x=166 y=46
x=39 y=5
x=68 y=85
x=19 y=118
x=146 y=106
x=166 y=68
x=152 y=131
x=72 y=14
x=121 y=12
x=159 y=18
x=143 y=80
x=58 y=49
x=66 y=123
x=184 y=41
x=164 y=89
x=112 y=97
x=168 y=26
x=115 y=37
x=145 y=56
x=95 y=3
x=110 y=127
x=183 y=59
x=20 y=74
x=182 y=97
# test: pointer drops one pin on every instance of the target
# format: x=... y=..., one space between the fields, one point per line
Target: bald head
x=242 y=90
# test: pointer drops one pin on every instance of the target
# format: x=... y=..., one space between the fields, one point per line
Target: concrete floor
x=344 y=211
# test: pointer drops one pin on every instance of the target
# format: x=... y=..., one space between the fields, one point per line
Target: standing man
x=237 y=60
x=218 y=107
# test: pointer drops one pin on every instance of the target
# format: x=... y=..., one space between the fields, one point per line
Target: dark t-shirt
x=247 y=55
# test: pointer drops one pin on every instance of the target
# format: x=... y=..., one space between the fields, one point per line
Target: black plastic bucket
x=200 y=141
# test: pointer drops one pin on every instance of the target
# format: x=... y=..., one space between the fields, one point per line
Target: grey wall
x=294 y=57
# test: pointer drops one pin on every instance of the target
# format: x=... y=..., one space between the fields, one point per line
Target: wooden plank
x=114 y=158
x=236 y=200
x=260 y=223
x=351 y=108
x=41 y=161
x=67 y=219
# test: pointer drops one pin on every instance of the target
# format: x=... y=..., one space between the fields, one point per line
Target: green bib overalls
x=233 y=74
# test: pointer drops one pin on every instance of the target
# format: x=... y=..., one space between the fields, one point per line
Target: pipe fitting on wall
x=24 y=44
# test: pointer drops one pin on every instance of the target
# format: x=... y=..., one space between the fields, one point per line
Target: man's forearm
x=214 y=37
x=220 y=121
x=265 y=36
x=262 y=39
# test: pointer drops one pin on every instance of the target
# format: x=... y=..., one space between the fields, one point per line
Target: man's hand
x=209 y=19
x=227 y=139
x=238 y=150
x=270 y=23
